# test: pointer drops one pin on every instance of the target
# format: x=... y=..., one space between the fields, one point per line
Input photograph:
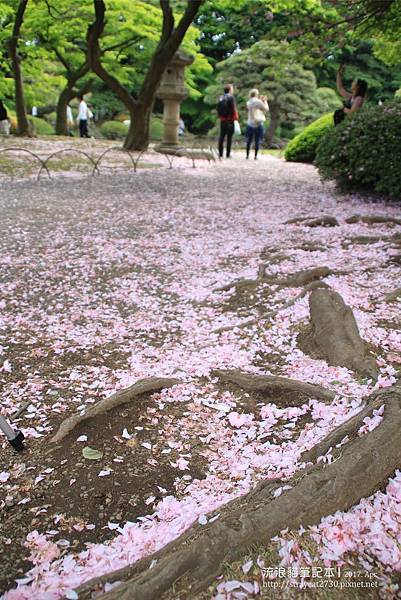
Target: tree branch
x=122 y=45
x=168 y=21
x=95 y=31
x=62 y=59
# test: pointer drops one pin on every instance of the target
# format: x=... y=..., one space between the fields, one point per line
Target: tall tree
x=140 y=107
x=23 y=127
x=60 y=30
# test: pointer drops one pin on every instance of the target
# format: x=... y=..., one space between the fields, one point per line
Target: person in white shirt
x=82 y=118
x=257 y=109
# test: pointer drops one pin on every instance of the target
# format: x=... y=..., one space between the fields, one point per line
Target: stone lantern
x=173 y=91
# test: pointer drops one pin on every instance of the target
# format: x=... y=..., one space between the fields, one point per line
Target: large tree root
x=366 y=239
x=371 y=220
x=323 y=221
x=297 y=279
x=275 y=388
x=334 y=335
x=360 y=468
x=393 y=296
x=272 y=313
x=142 y=386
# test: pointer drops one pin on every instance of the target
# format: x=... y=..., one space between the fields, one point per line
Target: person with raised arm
x=354 y=99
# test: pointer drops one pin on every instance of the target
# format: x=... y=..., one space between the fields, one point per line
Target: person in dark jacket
x=227 y=112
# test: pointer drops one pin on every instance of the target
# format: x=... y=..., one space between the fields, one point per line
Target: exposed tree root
x=363 y=465
x=396 y=239
x=372 y=219
x=395 y=259
x=272 y=313
x=272 y=387
x=323 y=221
x=393 y=296
x=334 y=336
x=312 y=247
x=142 y=386
x=272 y=261
x=297 y=279
x=304 y=277
x=367 y=239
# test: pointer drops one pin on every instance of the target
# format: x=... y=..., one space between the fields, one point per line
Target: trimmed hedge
x=113 y=130
x=364 y=152
x=41 y=127
x=302 y=148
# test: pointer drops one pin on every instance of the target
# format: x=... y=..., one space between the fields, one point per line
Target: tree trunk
x=274 y=123
x=140 y=109
x=139 y=130
x=61 y=119
x=23 y=127
x=67 y=94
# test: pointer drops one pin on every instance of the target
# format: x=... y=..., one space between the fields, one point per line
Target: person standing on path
x=227 y=112
x=257 y=109
x=82 y=118
x=4 y=122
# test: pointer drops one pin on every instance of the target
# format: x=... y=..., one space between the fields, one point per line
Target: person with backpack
x=257 y=109
x=227 y=112
x=354 y=100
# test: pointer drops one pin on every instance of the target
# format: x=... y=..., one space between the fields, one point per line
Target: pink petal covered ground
x=133 y=267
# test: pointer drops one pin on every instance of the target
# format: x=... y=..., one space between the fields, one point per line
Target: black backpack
x=225 y=106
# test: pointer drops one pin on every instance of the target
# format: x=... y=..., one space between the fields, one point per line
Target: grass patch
x=17 y=167
x=278 y=153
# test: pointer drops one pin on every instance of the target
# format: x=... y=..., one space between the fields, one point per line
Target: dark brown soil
x=90 y=499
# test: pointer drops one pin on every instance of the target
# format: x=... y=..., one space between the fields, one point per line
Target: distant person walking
x=4 y=122
x=82 y=118
x=257 y=110
x=354 y=100
x=227 y=112
x=70 y=120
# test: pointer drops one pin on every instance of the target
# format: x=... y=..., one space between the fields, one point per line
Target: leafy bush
x=113 y=130
x=364 y=152
x=121 y=117
x=302 y=148
x=41 y=127
x=51 y=118
x=156 y=129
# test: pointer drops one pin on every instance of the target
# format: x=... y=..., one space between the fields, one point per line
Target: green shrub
x=51 y=118
x=156 y=129
x=302 y=148
x=113 y=130
x=364 y=152
x=41 y=126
